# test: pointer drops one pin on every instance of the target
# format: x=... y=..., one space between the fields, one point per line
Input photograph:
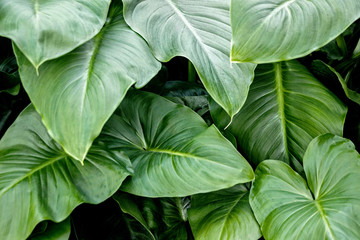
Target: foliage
x=246 y=125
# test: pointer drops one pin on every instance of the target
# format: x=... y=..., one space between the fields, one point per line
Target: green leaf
x=166 y=218
x=287 y=208
x=49 y=29
x=225 y=214
x=77 y=93
x=286 y=108
x=267 y=31
x=38 y=181
x=129 y=206
x=351 y=94
x=55 y=231
x=356 y=52
x=173 y=151
x=201 y=32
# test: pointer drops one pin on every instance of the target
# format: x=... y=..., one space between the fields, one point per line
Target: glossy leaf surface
x=201 y=32
x=286 y=108
x=173 y=151
x=45 y=30
x=225 y=214
x=38 y=181
x=324 y=207
x=77 y=93
x=267 y=31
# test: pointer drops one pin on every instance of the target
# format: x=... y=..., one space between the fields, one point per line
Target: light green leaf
x=287 y=208
x=38 y=181
x=356 y=52
x=45 y=30
x=77 y=93
x=54 y=231
x=286 y=108
x=201 y=32
x=267 y=31
x=225 y=214
x=173 y=151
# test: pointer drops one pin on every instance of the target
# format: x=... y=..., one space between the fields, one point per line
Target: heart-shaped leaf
x=225 y=214
x=173 y=151
x=201 y=32
x=286 y=108
x=77 y=93
x=267 y=31
x=38 y=181
x=45 y=30
x=327 y=206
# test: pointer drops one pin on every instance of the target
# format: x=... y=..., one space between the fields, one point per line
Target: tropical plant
x=246 y=126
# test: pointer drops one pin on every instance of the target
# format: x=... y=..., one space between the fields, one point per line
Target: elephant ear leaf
x=201 y=32
x=38 y=181
x=77 y=93
x=270 y=31
x=288 y=106
x=45 y=30
x=173 y=151
x=326 y=206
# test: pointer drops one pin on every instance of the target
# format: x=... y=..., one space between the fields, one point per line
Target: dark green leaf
x=225 y=214
x=286 y=108
x=38 y=181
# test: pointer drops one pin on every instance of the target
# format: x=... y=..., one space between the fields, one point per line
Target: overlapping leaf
x=286 y=108
x=200 y=31
x=54 y=231
x=46 y=30
x=38 y=181
x=173 y=151
x=164 y=218
x=267 y=31
x=327 y=206
x=225 y=214
x=77 y=93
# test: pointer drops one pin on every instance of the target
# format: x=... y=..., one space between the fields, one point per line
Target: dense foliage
x=246 y=125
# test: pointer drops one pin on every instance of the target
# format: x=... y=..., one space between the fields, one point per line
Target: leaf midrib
x=324 y=218
x=185 y=155
x=280 y=99
x=230 y=210
x=30 y=173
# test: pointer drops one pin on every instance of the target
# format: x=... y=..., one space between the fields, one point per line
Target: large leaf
x=173 y=151
x=77 y=93
x=45 y=30
x=327 y=206
x=286 y=108
x=201 y=32
x=225 y=214
x=166 y=218
x=267 y=31
x=38 y=181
